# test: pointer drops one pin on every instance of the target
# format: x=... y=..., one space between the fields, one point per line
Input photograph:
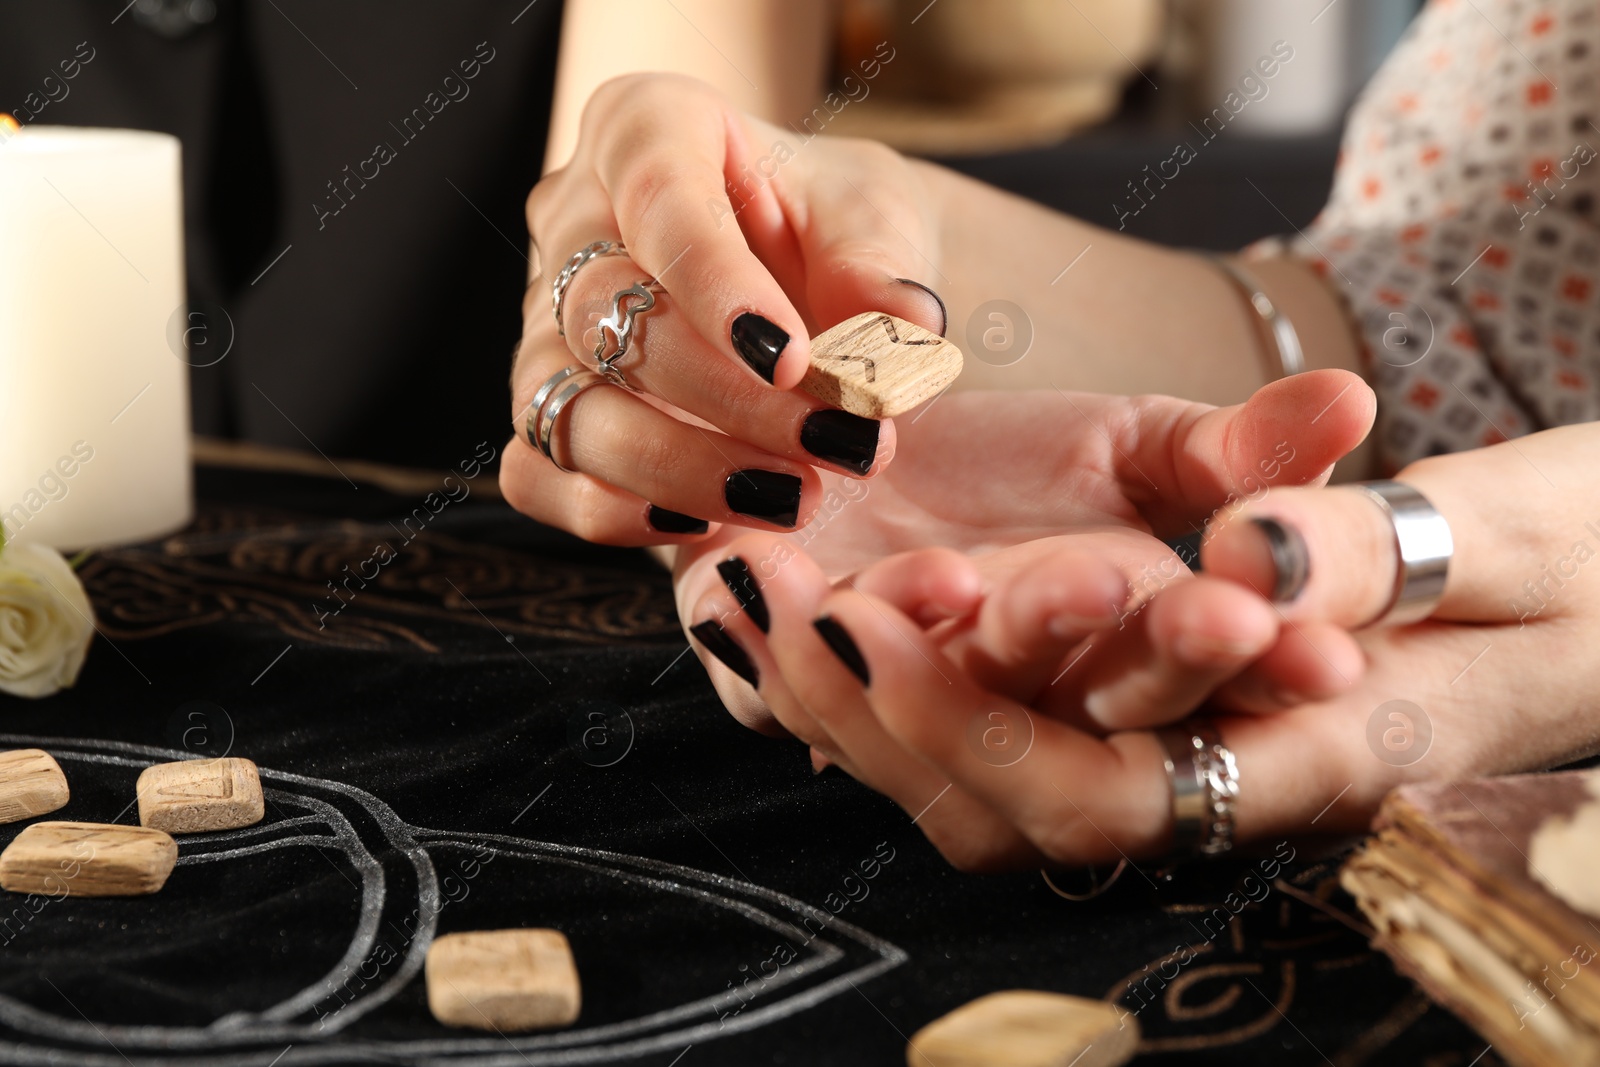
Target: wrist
x=1276 y=336
x=1313 y=307
x=1327 y=339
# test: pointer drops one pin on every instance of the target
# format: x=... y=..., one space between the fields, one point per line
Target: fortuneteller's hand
x=760 y=239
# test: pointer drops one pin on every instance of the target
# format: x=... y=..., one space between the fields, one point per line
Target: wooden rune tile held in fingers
x=877 y=366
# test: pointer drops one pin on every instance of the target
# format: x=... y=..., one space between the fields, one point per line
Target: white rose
x=46 y=622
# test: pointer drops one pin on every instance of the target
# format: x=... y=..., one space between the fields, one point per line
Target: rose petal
x=46 y=621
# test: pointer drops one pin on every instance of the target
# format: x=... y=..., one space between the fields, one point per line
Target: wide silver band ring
x=1423 y=547
x=1204 y=781
x=537 y=403
x=575 y=263
x=626 y=305
x=558 y=391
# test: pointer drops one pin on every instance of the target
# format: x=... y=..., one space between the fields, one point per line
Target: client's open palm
x=1499 y=679
x=977 y=472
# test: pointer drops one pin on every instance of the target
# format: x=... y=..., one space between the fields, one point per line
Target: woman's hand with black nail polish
x=723 y=347
x=977 y=471
x=760 y=343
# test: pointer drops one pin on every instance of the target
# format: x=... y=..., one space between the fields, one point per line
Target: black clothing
x=354 y=175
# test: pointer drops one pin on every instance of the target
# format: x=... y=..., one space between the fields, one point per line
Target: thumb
x=1191 y=461
x=864 y=243
x=1517 y=521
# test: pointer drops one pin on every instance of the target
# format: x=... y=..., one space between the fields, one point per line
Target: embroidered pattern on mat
x=276 y=569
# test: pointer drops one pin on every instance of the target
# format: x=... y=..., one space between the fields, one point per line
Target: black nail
x=759 y=343
x=766 y=495
x=1187 y=549
x=843 y=646
x=717 y=642
x=944 y=313
x=841 y=438
x=676 y=522
x=736 y=573
x=1289 y=557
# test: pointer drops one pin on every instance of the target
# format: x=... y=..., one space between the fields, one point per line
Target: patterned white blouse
x=1461 y=230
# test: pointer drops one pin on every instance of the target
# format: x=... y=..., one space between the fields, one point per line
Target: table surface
x=502 y=727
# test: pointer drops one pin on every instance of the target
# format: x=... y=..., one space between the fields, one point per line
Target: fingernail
x=766 y=495
x=843 y=646
x=1187 y=549
x=1290 y=558
x=759 y=343
x=819 y=762
x=1065 y=626
x=676 y=522
x=841 y=438
x=1195 y=651
x=717 y=642
x=1259 y=694
x=736 y=574
x=944 y=314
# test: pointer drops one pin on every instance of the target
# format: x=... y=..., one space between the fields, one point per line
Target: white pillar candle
x=94 y=405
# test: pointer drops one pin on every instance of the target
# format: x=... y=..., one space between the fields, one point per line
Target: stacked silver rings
x=562 y=388
x=1204 y=779
x=558 y=390
x=626 y=305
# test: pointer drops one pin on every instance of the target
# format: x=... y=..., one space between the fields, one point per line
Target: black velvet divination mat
x=503 y=729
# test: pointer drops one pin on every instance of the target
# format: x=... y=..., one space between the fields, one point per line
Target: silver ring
x=1423 y=547
x=575 y=262
x=1204 y=779
x=582 y=378
x=619 y=324
x=537 y=403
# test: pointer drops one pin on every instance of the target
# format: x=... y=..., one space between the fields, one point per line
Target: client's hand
x=755 y=253
x=981 y=471
x=1499 y=679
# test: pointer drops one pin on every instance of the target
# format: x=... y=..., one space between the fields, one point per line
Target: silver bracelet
x=1291 y=357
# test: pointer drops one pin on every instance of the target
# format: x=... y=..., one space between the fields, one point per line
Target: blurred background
x=375 y=317
x=1083 y=104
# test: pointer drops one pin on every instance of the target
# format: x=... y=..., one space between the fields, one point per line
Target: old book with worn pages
x=1488 y=894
